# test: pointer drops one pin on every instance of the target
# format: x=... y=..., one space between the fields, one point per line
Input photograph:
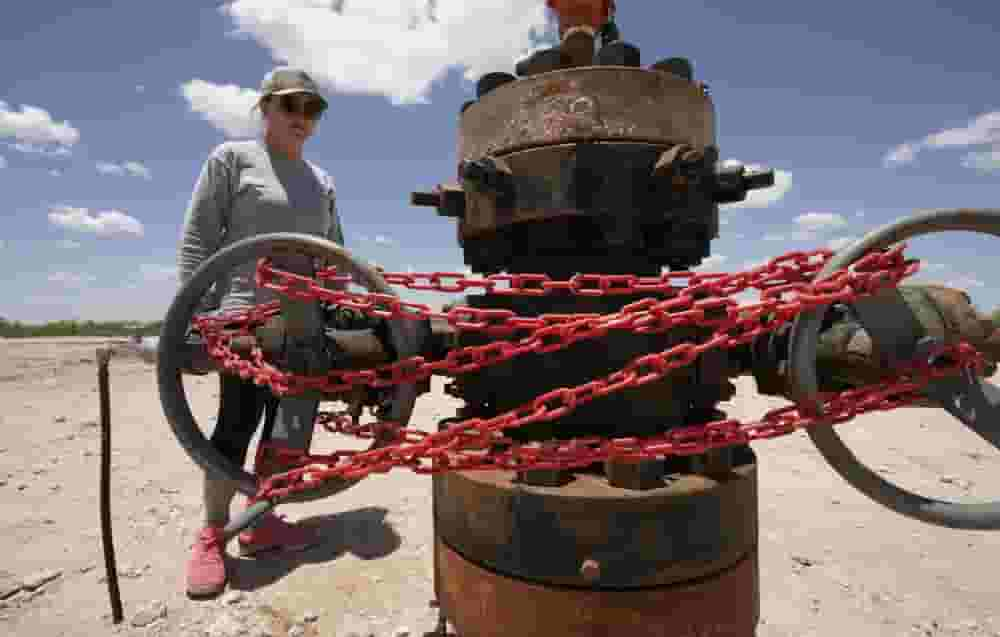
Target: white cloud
x=984 y=129
x=107 y=168
x=964 y=282
x=156 y=273
x=68 y=244
x=379 y=239
x=60 y=152
x=136 y=169
x=35 y=126
x=72 y=279
x=3 y=244
x=133 y=168
x=711 y=263
x=754 y=263
x=820 y=221
x=762 y=197
x=810 y=226
x=902 y=154
x=227 y=107
x=106 y=223
x=3 y=162
x=139 y=88
x=985 y=161
x=55 y=172
x=840 y=242
x=394 y=48
x=796 y=235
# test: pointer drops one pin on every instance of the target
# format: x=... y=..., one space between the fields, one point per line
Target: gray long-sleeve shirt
x=245 y=190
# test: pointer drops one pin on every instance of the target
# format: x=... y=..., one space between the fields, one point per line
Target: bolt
x=590 y=570
x=681 y=67
x=545 y=477
x=637 y=476
x=619 y=53
x=491 y=81
x=542 y=61
x=474 y=170
x=431 y=199
x=713 y=462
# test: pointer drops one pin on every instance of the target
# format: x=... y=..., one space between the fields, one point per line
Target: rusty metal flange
x=610 y=103
x=606 y=179
x=480 y=603
x=590 y=534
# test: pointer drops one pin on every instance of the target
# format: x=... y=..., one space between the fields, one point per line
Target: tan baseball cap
x=286 y=80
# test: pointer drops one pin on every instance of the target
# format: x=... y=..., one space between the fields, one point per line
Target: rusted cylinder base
x=687 y=528
x=481 y=603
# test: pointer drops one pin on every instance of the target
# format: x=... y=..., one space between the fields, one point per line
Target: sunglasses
x=312 y=108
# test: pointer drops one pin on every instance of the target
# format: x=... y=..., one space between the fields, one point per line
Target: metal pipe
x=803 y=380
x=246 y=517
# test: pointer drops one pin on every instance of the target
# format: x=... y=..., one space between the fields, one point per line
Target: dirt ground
x=832 y=563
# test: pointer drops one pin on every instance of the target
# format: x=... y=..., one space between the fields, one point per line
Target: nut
x=590 y=570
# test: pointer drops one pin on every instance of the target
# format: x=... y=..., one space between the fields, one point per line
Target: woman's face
x=291 y=119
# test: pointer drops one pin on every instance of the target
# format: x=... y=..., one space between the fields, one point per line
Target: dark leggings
x=241 y=404
x=288 y=421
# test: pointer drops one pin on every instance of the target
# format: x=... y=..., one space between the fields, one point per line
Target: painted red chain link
x=786 y=286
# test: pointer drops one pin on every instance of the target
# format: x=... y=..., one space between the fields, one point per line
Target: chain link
x=786 y=287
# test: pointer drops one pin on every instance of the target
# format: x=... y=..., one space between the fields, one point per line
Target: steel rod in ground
x=103 y=358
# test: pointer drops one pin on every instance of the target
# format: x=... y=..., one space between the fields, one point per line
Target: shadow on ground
x=365 y=533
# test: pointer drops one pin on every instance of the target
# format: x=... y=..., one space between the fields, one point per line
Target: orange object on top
x=572 y=13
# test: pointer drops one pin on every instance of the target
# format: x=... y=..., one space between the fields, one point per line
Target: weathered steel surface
x=689 y=527
x=480 y=603
x=601 y=198
x=559 y=173
x=586 y=104
x=557 y=181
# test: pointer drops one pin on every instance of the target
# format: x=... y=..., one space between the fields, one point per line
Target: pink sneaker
x=273 y=533
x=206 y=568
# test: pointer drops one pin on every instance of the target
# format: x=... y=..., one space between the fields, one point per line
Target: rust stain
x=596 y=103
x=481 y=603
x=554 y=87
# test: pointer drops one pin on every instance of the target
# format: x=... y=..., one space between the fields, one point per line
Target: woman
x=245 y=189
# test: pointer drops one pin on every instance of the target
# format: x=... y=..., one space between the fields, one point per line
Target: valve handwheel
x=895 y=335
x=406 y=337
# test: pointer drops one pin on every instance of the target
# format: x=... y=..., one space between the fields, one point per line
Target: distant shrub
x=103 y=329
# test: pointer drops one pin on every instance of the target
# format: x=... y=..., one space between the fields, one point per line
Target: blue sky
x=869 y=112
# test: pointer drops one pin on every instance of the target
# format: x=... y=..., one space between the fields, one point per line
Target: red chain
x=786 y=288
